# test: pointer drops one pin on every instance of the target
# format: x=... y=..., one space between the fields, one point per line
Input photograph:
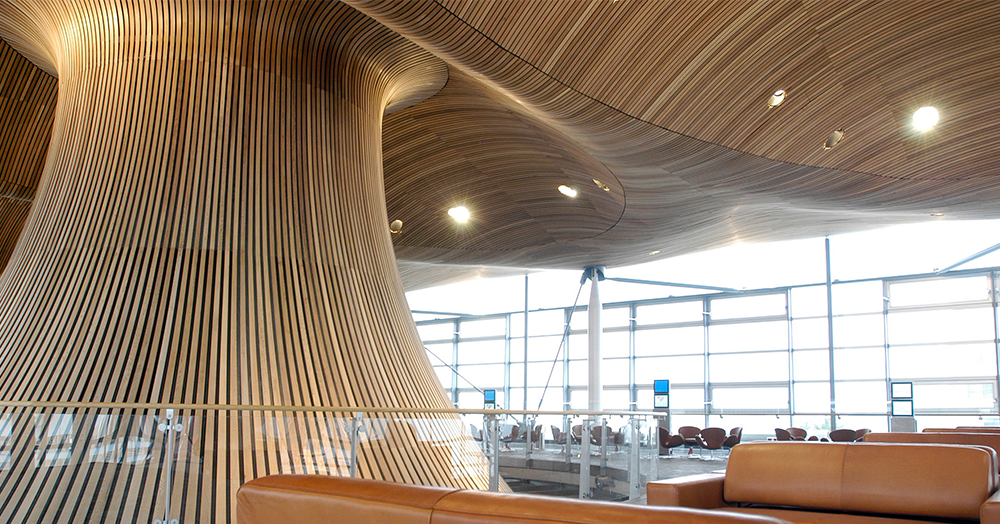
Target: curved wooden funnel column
x=210 y=227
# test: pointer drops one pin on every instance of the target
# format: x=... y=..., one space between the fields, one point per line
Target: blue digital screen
x=490 y=396
x=661 y=387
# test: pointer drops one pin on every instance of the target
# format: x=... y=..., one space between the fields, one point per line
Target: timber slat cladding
x=670 y=97
x=27 y=105
x=210 y=227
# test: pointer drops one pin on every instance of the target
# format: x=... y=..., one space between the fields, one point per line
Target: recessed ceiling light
x=834 y=139
x=568 y=191
x=925 y=118
x=657 y=252
x=937 y=214
x=460 y=214
x=396 y=226
x=601 y=185
x=776 y=99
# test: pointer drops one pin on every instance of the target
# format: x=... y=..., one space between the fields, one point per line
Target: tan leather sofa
x=840 y=483
x=314 y=499
x=991 y=440
x=984 y=429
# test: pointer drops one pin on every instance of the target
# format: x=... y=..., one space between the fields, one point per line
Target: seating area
x=710 y=439
x=837 y=435
x=837 y=482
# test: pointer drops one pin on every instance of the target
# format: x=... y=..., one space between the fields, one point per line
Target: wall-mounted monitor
x=661 y=394
x=661 y=401
x=902 y=408
x=490 y=397
x=901 y=390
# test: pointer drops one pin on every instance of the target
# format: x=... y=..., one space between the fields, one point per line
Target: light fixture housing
x=657 y=252
x=460 y=214
x=834 y=139
x=396 y=226
x=601 y=185
x=776 y=99
x=937 y=214
x=568 y=191
x=925 y=118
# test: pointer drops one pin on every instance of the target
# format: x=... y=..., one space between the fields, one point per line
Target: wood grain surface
x=210 y=227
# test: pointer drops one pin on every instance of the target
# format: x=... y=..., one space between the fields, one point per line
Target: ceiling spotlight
x=834 y=139
x=657 y=252
x=937 y=214
x=776 y=99
x=601 y=185
x=568 y=191
x=925 y=118
x=460 y=214
x=396 y=226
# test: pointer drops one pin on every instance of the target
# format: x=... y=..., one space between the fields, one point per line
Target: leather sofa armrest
x=694 y=491
x=990 y=512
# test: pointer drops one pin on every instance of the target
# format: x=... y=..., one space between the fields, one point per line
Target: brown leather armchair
x=712 y=439
x=668 y=441
x=576 y=433
x=558 y=437
x=843 y=435
x=512 y=436
x=596 y=435
x=735 y=435
x=798 y=433
x=690 y=434
x=861 y=434
x=782 y=434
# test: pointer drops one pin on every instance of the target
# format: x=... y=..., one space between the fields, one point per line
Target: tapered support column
x=211 y=228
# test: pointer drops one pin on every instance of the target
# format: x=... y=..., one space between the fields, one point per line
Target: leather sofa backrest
x=315 y=499
x=301 y=499
x=983 y=429
x=482 y=507
x=990 y=440
x=931 y=480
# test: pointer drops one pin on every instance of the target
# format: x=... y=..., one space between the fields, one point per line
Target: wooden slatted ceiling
x=210 y=227
x=464 y=146
x=704 y=69
x=684 y=192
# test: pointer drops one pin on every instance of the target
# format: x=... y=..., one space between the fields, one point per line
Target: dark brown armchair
x=668 y=441
x=596 y=436
x=843 y=435
x=782 y=434
x=512 y=436
x=734 y=437
x=558 y=437
x=861 y=434
x=798 y=433
x=690 y=435
x=712 y=439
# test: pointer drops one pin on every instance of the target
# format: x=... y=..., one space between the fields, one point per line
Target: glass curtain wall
x=757 y=359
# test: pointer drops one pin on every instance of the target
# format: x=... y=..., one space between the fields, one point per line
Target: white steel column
x=594 y=385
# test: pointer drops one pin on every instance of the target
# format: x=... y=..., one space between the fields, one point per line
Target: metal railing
x=164 y=453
